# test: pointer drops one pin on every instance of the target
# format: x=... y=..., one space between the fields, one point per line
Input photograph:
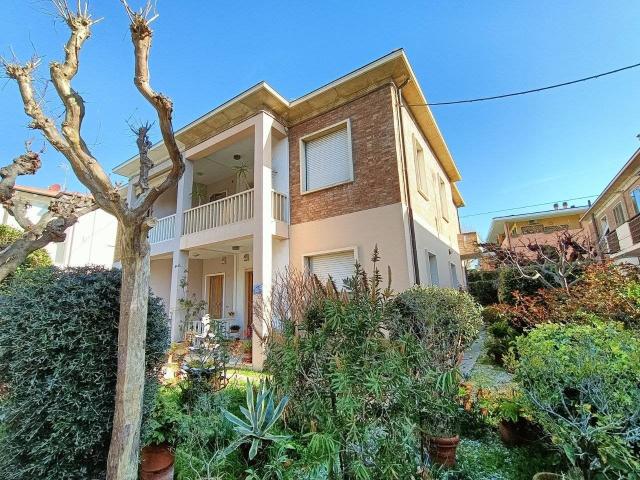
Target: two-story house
x=614 y=216
x=314 y=183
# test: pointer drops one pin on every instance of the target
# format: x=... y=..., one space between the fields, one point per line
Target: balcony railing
x=279 y=206
x=228 y=210
x=164 y=229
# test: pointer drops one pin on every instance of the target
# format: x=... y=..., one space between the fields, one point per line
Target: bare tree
x=555 y=265
x=133 y=218
x=63 y=212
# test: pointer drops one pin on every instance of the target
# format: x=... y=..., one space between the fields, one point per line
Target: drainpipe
x=403 y=152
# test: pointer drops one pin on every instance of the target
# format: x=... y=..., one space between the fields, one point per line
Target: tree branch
x=141 y=36
x=26 y=164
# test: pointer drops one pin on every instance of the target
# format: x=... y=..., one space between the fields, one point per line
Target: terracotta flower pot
x=547 y=476
x=442 y=450
x=157 y=463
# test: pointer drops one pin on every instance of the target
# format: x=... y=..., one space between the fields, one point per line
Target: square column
x=262 y=241
x=180 y=263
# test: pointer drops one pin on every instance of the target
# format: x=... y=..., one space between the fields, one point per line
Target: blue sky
x=551 y=146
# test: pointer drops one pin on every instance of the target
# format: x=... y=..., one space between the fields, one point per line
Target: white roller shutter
x=328 y=159
x=338 y=265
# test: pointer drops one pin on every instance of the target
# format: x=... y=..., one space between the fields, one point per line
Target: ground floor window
x=432 y=268
x=454 y=275
x=337 y=265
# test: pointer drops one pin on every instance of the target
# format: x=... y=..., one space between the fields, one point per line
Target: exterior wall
x=375 y=181
x=382 y=226
x=160 y=279
x=427 y=210
x=165 y=205
x=427 y=241
x=91 y=241
x=622 y=196
x=572 y=220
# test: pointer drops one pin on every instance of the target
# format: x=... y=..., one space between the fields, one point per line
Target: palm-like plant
x=261 y=414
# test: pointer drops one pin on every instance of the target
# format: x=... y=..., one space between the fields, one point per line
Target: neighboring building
x=517 y=231
x=613 y=217
x=90 y=241
x=314 y=183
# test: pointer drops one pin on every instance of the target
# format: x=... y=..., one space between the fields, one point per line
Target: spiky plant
x=261 y=414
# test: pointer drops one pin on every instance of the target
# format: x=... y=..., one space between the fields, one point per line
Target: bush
x=446 y=321
x=510 y=281
x=483 y=286
x=58 y=356
x=583 y=385
x=349 y=386
x=39 y=258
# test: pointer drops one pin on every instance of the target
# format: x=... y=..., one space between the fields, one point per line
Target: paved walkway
x=472 y=354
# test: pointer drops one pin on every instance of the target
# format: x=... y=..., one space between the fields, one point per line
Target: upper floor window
x=421 y=171
x=618 y=214
x=635 y=199
x=444 y=205
x=325 y=158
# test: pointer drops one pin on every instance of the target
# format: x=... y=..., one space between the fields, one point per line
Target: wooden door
x=216 y=287
x=248 y=288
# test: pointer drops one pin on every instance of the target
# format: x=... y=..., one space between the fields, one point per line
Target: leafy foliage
x=58 y=357
x=510 y=280
x=583 y=383
x=261 y=415
x=483 y=286
x=39 y=258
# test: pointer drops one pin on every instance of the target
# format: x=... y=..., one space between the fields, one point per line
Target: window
x=604 y=225
x=454 y=276
x=444 y=205
x=618 y=214
x=421 y=171
x=432 y=266
x=337 y=265
x=325 y=158
x=635 y=199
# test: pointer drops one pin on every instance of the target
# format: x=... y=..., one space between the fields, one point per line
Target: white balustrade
x=228 y=210
x=164 y=229
x=279 y=206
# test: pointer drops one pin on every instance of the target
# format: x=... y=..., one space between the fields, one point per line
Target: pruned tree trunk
x=132 y=331
x=132 y=217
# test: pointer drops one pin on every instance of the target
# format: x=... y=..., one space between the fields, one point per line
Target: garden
x=359 y=382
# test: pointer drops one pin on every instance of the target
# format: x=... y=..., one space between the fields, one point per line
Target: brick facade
x=376 y=181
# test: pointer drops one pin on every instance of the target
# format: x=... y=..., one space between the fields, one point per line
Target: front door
x=248 y=288
x=216 y=286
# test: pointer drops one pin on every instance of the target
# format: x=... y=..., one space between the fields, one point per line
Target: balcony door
x=216 y=295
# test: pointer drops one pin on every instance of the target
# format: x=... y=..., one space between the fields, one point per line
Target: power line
x=525 y=92
x=528 y=206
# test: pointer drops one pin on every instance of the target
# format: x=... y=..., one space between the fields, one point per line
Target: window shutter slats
x=327 y=159
x=339 y=265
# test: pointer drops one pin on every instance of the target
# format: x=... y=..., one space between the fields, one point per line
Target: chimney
x=589 y=203
x=565 y=205
x=555 y=206
x=55 y=187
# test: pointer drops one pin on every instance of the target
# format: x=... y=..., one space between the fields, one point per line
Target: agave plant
x=261 y=415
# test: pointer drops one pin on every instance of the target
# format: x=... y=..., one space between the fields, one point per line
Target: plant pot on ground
x=157 y=462
x=442 y=450
x=520 y=432
x=247 y=356
x=547 y=476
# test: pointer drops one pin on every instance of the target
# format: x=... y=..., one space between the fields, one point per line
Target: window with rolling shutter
x=338 y=265
x=326 y=158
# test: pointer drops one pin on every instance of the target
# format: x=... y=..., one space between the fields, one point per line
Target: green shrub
x=483 y=286
x=583 y=383
x=489 y=459
x=345 y=380
x=444 y=320
x=39 y=258
x=510 y=281
x=58 y=356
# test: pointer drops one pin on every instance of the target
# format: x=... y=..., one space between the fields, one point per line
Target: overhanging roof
x=630 y=168
x=393 y=67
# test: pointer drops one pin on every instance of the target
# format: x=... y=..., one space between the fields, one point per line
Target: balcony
x=219 y=213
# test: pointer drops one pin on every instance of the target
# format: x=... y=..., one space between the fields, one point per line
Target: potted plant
x=160 y=436
x=514 y=425
x=440 y=416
